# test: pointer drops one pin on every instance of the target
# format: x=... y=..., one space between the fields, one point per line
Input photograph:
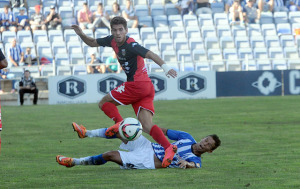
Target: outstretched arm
x=169 y=71
x=88 y=40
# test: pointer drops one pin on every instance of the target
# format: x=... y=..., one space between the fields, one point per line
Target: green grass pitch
x=260 y=145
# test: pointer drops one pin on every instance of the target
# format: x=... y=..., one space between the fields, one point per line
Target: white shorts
x=139 y=154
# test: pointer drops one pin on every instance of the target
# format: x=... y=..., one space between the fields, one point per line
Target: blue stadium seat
x=7 y=36
x=70 y=35
x=212 y=43
x=162 y=32
x=180 y=44
x=24 y=36
x=245 y=53
x=268 y=29
x=64 y=3
x=223 y=30
x=283 y=28
x=293 y=64
x=220 y=19
x=208 y=31
x=254 y=30
x=43 y=47
x=276 y=53
x=169 y=56
x=74 y=47
x=101 y=32
x=157 y=9
x=47 y=71
x=263 y=64
x=196 y=43
x=217 y=7
x=199 y=55
x=146 y=20
x=230 y=54
x=40 y=35
x=214 y=54
x=147 y=33
x=226 y=42
x=141 y=10
x=249 y=65
x=272 y=41
x=78 y=2
x=63 y=70
x=55 y=36
x=170 y=9
x=93 y=2
x=62 y=59
x=177 y=32
x=294 y=17
x=280 y=17
x=290 y=53
x=134 y=33
x=77 y=59
x=260 y=53
x=59 y=47
x=192 y=32
x=287 y=41
x=175 y=20
x=238 y=30
x=184 y=56
x=266 y=18
x=241 y=42
x=279 y=64
x=205 y=20
x=151 y=44
x=48 y=3
x=79 y=70
x=257 y=42
x=160 y=21
x=189 y=20
x=165 y=44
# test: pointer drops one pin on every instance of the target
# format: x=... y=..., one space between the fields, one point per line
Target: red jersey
x=130 y=56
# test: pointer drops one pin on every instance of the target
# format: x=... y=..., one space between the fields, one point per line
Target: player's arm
x=88 y=40
x=169 y=71
x=3 y=61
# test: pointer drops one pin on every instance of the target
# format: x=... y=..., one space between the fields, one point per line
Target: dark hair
x=84 y=3
x=118 y=20
x=217 y=141
x=117 y=5
x=100 y=4
x=27 y=71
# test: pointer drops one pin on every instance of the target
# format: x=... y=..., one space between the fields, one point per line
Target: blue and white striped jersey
x=16 y=52
x=9 y=16
x=184 y=142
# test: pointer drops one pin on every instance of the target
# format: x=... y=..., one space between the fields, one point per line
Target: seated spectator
x=16 y=54
x=37 y=20
x=95 y=60
x=29 y=59
x=265 y=5
x=27 y=85
x=100 y=18
x=112 y=64
x=185 y=7
x=3 y=61
x=236 y=13
x=115 y=11
x=203 y=7
x=4 y=74
x=251 y=13
x=279 y=6
x=17 y=3
x=22 y=20
x=53 y=19
x=294 y=5
x=84 y=17
x=8 y=20
x=129 y=15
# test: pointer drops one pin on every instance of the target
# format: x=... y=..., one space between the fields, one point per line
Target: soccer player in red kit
x=138 y=90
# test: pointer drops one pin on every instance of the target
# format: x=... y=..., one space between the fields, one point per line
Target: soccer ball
x=130 y=129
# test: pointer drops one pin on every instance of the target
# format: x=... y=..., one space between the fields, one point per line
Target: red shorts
x=139 y=94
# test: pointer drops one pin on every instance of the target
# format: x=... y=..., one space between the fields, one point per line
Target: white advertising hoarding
x=91 y=88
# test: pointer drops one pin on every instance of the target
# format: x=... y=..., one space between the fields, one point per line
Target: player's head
x=207 y=144
x=26 y=73
x=119 y=29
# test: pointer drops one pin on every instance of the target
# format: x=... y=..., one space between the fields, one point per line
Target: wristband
x=165 y=67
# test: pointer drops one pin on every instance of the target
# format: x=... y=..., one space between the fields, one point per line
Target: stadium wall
x=188 y=85
x=91 y=88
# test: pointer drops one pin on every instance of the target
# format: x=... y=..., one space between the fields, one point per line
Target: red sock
x=159 y=136
x=112 y=112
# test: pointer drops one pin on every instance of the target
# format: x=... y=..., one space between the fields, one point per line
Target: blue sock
x=98 y=160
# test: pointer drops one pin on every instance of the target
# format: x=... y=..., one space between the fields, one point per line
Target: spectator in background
x=294 y=5
x=95 y=60
x=16 y=54
x=100 y=17
x=3 y=61
x=129 y=15
x=53 y=19
x=185 y=7
x=8 y=20
x=115 y=11
x=22 y=20
x=27 y=85
x=37 y=20
x=17 y=3
x=236 y=13
x=265 y=5
x=4 y=74
x=29 y=59
x=203 y=7
x=112 y=64
x=84 y=17
x=279 y=6
x=251 y=13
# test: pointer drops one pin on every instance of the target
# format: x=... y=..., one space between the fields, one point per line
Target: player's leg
x=145 y=117
x=113 y=156
x=102 y=132
x=109 y=106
